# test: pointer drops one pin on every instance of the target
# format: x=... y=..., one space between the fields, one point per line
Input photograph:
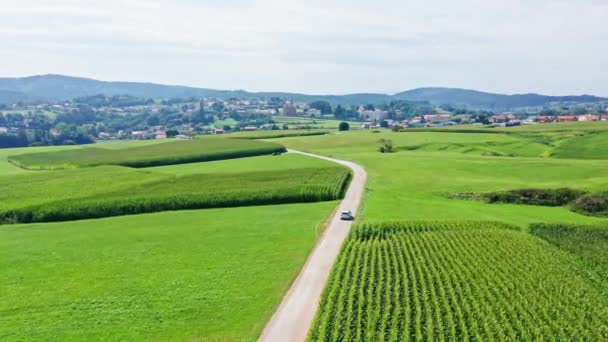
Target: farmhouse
x=501 y=118
x=589 y=117
x=546 y=119
x=567 y=118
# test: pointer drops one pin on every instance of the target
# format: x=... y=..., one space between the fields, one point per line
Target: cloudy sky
x=315 y=46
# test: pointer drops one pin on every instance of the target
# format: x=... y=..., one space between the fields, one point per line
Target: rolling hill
x=59 y=88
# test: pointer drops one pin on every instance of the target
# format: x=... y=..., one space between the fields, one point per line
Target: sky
x=554 y=47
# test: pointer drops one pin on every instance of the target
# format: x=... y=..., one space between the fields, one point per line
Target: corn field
x=197 y=191
x=456 y=281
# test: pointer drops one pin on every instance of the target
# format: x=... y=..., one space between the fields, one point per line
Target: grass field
x=212 y=275
x=456 y=281
x=590 y=146
x=168 y=153
x=276 y=134
x=315 y=123
x=411 y=184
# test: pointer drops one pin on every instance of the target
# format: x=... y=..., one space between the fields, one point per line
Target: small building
x=160 y=136
x=183 y=137
x=218 y=131
x=546 y=119
x=567 y=118
x=589 y=117
x=250 y=128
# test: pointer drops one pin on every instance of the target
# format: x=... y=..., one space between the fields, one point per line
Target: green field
x=421 y=264
x=588 y=243
x=276 y=134
x=189 y=275
x=168 y=153
x=589 y=146
x=294 y=122
x=456 y=281
x=412 y=184
x=103 y=191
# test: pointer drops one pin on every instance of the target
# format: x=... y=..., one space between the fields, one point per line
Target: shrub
x=386 y=146
x=592 y=204
x=344 y=126
x=545 y=197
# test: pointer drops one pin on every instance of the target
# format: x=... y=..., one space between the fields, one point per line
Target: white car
x=346 y=215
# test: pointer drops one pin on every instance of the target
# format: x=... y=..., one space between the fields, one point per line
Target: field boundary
x=294 y=316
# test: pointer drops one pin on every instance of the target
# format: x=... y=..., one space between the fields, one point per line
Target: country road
x=293 y=318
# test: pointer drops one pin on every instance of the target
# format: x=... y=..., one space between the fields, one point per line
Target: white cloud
x=340 y=46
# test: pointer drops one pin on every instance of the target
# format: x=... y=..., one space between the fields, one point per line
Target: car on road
x=346 y=215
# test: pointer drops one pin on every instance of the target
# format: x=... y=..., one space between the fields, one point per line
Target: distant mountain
x=8 y=96
x=481 y=100
x=59 y=88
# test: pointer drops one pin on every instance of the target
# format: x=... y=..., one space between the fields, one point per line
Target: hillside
x=59 y=87
x=483 y=100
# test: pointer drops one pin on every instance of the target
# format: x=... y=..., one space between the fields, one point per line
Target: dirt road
x=293 y=318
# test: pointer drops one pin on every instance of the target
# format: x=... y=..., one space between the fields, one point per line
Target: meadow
x=167 y=153
x=276 y=134
x=212 y=275
x=456 y=281
x=413 y=183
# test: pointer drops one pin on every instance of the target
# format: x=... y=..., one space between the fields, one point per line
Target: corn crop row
x=453 y=281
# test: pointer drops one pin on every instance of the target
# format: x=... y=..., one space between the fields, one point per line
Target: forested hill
x=59 y=87
x=477 y=99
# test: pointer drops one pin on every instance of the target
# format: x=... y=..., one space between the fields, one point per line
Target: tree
x=344 y=126
x=386 y=146
x=285 y=126
x=384 y=124
x=323 y=106
x=339 y=112
x=172 y=133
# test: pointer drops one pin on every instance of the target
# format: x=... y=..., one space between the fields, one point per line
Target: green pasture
x=412 y=183
x=211 y=275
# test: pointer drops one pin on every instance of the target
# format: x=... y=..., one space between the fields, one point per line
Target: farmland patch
x=176 y=152
x=456 y=281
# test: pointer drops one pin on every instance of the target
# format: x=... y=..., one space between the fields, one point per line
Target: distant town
x=87 y=119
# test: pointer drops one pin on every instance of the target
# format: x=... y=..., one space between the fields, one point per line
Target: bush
x=592 y=204
x=344 y=126
x=545 y=197
x=386 y=146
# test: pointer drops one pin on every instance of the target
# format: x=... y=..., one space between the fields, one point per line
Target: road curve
x=292 y=320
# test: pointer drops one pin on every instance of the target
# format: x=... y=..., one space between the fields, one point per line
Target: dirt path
x=292 y=320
